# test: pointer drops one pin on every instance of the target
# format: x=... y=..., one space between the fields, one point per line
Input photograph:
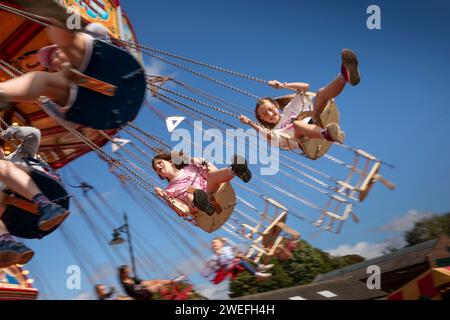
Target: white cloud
x=405 y=222
x=155 y=68
x=214 y=292
x=372 y=250
x=368 y=250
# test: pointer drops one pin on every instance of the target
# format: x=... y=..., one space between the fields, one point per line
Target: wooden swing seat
x=224 y=201
x=314 y=148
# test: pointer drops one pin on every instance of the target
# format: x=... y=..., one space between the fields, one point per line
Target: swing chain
x=198 y=111
x=231 y=114
x=27 y=15
x=206 y=65
x=221 y=83
x=148 y=135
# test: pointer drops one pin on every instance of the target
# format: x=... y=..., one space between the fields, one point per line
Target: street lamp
x=117 y=239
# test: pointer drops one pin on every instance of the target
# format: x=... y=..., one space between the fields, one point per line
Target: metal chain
x=141 y=140
x=248 y=204
x=203 y=64
x=308 y=168
x=198 y=74
x=148 y=135
x=234 y=234
x=27 y=15
x=196 y=110
x=193 y=116
x=293 y=196
x=228 y=113
x=306 y=183
x=135 y=156
x=317 y=181
x=211 y=97
x=126 y=170
x=243 y=214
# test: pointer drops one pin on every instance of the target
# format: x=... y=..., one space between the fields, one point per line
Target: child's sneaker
x=52 y=215
x=240 y=168
x=264 y=267
x=262 y=275
x=333 y=133
x=349 y=69
x=179 y=278
x=12 y=252
x=201 y=202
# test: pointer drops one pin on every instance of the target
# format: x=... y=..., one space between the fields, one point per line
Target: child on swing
x=271 y=117
x=143 y=289
x=15 y=172
x=224 y=257
x=71 y=55
x=198 y=175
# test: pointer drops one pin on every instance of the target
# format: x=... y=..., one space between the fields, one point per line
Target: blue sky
x=399 y=113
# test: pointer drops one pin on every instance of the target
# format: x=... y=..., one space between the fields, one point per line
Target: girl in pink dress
x=191 y=181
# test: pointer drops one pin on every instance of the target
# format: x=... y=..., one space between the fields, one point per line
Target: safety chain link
x=27 y=15
x=228 y=113
x=148 y=135
x=196 y=110
x=199 y=74
x=203 y=64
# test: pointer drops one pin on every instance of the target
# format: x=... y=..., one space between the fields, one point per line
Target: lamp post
x=117 y=239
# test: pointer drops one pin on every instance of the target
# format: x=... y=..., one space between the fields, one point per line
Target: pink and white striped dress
x=190 y=176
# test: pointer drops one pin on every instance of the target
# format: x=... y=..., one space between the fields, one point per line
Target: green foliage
x=428 y=229
x=307 y=262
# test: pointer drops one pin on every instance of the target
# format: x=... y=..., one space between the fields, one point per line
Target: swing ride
x=265 y=232
x=15 y=284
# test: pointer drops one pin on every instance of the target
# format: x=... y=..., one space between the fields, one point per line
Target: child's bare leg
x=3 y=229
x=17 y=180
x=32 y=85
x=73 y=44
x=327 y=93
x=302 y=129
x=331 y=133
x=217 y=177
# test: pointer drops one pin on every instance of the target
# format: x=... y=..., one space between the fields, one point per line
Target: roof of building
x=337 y=289
x=396 y=260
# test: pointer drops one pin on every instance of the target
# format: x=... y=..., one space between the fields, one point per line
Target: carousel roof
x=20 y=40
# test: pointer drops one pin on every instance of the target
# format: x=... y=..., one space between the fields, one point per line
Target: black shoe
x=350 y=63
x=52 y=215
x=240 y=168
x=12 y=252
x=201 y=201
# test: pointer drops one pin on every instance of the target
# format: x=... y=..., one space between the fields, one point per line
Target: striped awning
x=426 y=286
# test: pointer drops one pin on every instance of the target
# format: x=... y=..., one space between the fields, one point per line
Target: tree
x=428 y=229
x=307 y=262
